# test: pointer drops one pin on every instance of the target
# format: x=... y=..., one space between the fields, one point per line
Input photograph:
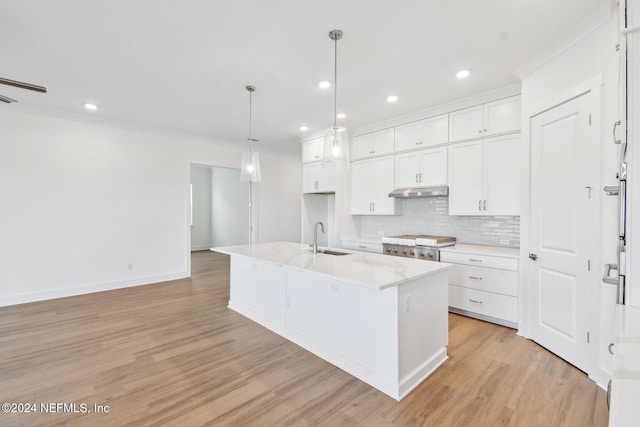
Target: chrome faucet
x=315 y=241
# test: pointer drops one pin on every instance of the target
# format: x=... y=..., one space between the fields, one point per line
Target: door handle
x=607 y=274
x=615 y=127
x=533 y=257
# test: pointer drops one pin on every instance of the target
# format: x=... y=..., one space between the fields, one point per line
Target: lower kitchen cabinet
x=483 y=282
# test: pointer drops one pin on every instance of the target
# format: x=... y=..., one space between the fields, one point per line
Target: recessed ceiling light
x=463 y=74
x=304 y=128
x=341 y=115
x=90 y=106
x=324 y=84
x=392 y=98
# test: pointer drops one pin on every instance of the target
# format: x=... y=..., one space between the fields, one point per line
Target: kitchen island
x=382 y=319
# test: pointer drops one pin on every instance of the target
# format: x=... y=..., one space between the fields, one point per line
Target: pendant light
x=250 y=168
x=336 y=146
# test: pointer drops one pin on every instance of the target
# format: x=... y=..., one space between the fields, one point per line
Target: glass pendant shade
x=250 y=168
x=336 y=148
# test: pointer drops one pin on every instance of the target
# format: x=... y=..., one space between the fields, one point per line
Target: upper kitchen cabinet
x=373 y=144
x=493 y=118
x=371 y=183
x=422 y=168
x=425 y=133
x=316 y=179
x=484 y=177
x=312 y=151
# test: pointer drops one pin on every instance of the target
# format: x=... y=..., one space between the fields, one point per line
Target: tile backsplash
x=431 y=216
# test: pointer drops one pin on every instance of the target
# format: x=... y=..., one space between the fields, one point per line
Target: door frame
x=594 y=86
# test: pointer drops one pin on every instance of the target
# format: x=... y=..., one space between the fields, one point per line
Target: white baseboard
x=88 y=289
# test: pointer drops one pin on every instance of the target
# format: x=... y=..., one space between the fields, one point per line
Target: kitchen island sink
x=382 y=319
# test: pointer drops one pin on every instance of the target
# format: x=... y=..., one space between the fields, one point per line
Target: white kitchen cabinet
x=421 y=168
x=371 y=183
x=493 y=118
x=483 y=282
x=361 y=245
x=484 y=177
x=313 y=151
x=373 y=144
x=424 y=133
x=316 y=179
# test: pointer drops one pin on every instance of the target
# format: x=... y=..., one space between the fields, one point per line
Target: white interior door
x=564 y=227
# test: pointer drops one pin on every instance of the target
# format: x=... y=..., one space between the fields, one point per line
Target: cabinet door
x=383 y=142
x=361 y=176
x=465 y=179
x=409 y=136
x=502 y=173
x=466 y=124
x=502 y=116
x=435 y=130
x=433 y=167
x=382 y=180
x=406 y=170
x=362 y=146
x=326 y=179
x=310 y=177
x=312 y=151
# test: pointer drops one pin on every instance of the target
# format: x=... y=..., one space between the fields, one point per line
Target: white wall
x=588 y=52
x=201 y=207
x=82 y=202
x=229 y=207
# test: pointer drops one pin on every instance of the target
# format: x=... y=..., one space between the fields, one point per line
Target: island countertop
x=372 y=270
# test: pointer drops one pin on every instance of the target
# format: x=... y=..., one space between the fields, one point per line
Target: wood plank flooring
x=174 y=354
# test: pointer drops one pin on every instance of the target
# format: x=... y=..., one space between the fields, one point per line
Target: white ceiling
x=183 y=65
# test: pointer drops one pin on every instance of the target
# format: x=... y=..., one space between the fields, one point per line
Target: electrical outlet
x=407 y=303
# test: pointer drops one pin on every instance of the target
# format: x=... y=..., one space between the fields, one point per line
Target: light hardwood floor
x=173 y=354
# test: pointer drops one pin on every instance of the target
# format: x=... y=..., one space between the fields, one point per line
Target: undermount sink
x=330 y=252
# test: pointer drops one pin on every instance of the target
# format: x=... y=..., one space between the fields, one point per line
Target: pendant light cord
x=335 y=84
x=250 y=121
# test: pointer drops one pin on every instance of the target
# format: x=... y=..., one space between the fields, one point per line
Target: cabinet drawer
x=490 y=261
x=362 y=246
x=484 y=279
x=486 y=303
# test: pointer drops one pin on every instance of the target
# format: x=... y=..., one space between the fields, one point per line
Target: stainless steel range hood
x=415 y=192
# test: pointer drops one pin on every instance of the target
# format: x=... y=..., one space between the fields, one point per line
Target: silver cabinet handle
x=615 y=127
x=479 y=130
x=484 y=130
x=475 y=278
x=485 y=205
x=476 y=301
x=362 y=246
x=475 y=260
x=611 y=348
x=420 y=177
x=373 y=206
x=480 y=205
x=417 y=178
x=607 y=274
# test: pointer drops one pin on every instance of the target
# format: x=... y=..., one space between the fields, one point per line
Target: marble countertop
x=502 y=251
x=373 y=270
x=626 y=368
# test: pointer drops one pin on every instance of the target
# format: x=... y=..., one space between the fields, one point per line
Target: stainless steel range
x=416 y=246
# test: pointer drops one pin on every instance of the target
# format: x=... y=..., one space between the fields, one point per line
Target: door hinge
x=588 y=265
x=587 y=337
x=589 y=119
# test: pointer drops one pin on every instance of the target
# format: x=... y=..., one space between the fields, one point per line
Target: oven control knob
x=404 y=251
x=395 y=251
x=413 y=252
x=421 y=253
x=388 y=249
